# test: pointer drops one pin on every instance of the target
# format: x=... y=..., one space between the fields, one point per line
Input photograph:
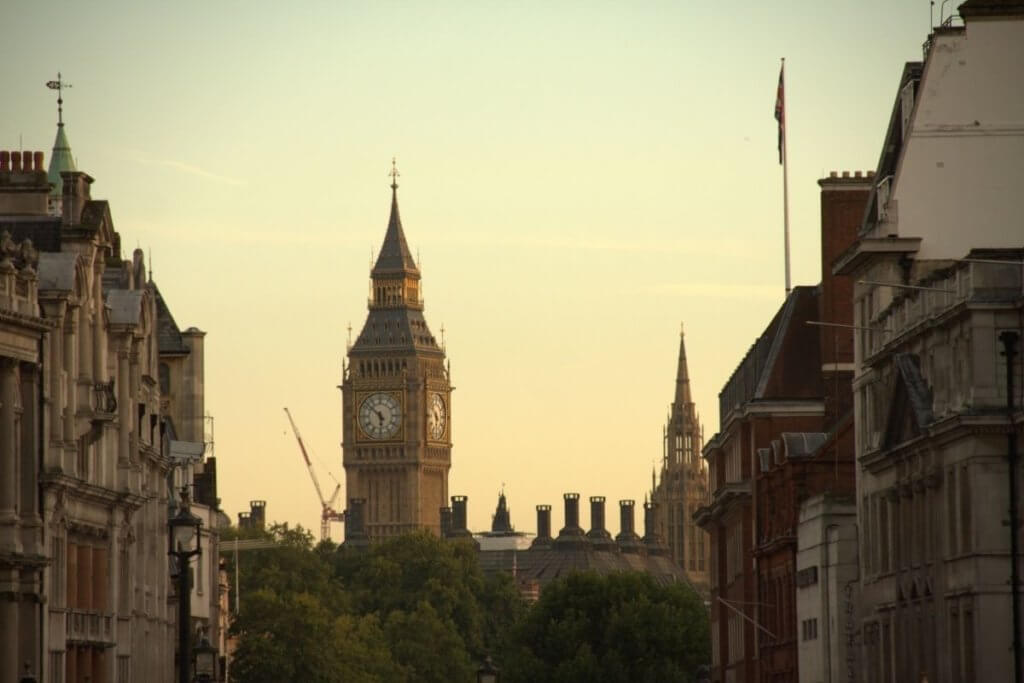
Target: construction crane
x=327 y=514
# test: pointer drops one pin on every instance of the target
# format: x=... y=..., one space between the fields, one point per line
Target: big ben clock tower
x=396 y=400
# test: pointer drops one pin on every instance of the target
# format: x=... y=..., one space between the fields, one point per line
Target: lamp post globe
x=487 y=673
x=206 y=661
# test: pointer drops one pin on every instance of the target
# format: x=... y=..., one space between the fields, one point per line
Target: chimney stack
x=571 y=534
x=5 y=161
x=16 y=162
x=543 y=538
x=459 y=529
x=446 y=522
x=598 y=535
x=355 y=529
x=651 y=540
x=627 y=539
x=75 y=195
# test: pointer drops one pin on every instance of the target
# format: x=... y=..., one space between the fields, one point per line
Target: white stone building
x=96 y=381
x=827 y=589
x=939 y=273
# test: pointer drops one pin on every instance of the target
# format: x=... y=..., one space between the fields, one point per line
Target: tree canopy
x=416 y=608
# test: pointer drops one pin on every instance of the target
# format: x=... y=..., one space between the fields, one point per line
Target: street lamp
x=206 y=661
x=184 y=545
x=487 y=673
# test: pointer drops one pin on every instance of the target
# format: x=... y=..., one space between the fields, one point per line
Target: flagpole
x=785 y=183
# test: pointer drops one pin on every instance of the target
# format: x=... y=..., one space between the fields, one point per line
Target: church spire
x=683 y=396
x=395 y=257
x=61 y=159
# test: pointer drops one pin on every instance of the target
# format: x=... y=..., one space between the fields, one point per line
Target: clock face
x=380 y=416
x=436 y=416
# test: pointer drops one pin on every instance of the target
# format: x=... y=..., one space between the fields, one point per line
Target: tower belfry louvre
x=396 y=400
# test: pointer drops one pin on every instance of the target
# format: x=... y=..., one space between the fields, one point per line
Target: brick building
x=783 y=438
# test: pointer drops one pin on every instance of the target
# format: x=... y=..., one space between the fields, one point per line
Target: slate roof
x=168 y=334
x=125 y=306
x=395 y=256
x=60 y=160
x=992 y=8
x=57 y=271
x=546 y=564
x=784 y=362
x=395 y=329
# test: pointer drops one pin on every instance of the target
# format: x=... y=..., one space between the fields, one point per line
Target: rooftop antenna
x=59 y=86
x=931 y=15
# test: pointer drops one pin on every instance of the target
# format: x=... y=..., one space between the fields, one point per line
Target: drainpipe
x=1009 y=339
x=827 y=611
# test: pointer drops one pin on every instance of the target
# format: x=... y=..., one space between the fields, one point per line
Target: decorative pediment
x=909 y=401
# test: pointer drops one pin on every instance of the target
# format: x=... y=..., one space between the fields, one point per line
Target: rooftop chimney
x=571 y=534
x=76 y=194
x=446 y=522
x=627 y=539
x=543 y=538
x=355 y=529
x=651 y=539
x=598 y=535
x=23 y=185
x=459 y=529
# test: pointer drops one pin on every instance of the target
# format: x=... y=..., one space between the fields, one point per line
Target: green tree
x=615 y=628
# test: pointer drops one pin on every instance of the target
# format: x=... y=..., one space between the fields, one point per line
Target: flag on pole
x=780 y=108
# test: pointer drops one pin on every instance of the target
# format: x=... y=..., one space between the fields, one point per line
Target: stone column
x=124 y=403
x=134 y=381
x=99 y=336
x=9 y=625
x=56 y=361
x=70 y=374
x=8 y=451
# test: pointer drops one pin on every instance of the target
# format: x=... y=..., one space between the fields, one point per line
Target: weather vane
x=394 y=174
x=59 y=86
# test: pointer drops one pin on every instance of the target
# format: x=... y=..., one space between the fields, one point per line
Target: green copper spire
x=61 y=159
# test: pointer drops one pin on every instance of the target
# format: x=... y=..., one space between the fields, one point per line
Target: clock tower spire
x=396 y=399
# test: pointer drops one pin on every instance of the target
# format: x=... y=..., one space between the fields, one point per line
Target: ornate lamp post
x=487 y=673
x=206 y=661
x=184 y=545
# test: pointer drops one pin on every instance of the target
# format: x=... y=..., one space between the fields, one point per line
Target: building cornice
x=864 y=250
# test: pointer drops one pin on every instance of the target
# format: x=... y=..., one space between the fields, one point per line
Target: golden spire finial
x=394 y=174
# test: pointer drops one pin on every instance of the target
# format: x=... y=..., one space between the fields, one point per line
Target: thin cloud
x=191 y=170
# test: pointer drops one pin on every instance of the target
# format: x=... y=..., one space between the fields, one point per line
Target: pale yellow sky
x=578 y=178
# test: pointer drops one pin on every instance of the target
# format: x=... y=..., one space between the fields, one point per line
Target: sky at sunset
x=578 y=179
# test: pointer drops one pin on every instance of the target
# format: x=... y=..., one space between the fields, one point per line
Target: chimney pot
x=871 y=174
x=833 y=174
x=5 y=161
x=37 y=158
x=846 y=174
x=16 y=161
x=544 y=522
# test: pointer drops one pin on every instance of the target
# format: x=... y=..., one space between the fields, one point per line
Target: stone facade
x=683 y=483
x=396 y=403
x=87 y=440
x=939 y=297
